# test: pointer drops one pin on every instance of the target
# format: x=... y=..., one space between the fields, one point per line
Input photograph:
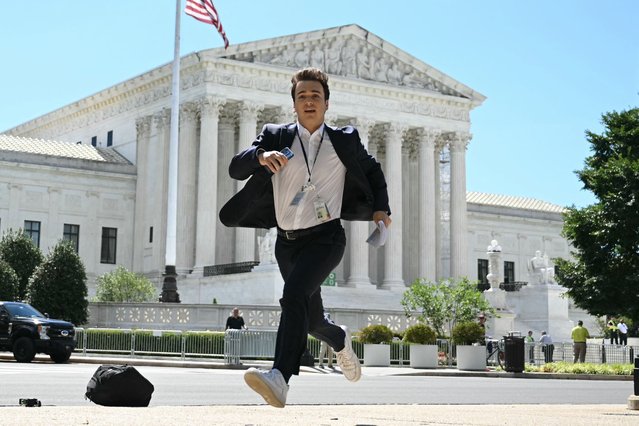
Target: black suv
x=25 y=332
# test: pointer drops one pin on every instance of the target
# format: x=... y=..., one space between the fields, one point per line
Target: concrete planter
x=471 y=357
x=376 y=355
x=423 y=356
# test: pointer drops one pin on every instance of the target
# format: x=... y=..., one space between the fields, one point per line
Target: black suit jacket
x=253 y=206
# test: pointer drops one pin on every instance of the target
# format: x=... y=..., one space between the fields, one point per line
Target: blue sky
x=548 y=68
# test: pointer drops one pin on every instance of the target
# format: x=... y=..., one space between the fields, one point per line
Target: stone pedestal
x=262 y=286
x=539 y=308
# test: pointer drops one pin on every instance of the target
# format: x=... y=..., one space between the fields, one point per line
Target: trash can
x=514 y=352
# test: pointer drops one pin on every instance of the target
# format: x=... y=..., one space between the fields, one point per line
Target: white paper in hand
x=378 y=237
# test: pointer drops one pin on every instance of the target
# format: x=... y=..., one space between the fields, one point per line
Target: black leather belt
x=299 y=233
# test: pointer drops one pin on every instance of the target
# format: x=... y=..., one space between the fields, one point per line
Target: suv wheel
x=60 y=356
x=23 y=350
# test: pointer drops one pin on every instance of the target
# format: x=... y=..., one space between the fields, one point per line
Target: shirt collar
x=306 y=135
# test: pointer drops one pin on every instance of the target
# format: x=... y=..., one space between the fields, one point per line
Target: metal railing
x=595 y=353
x=233 y=346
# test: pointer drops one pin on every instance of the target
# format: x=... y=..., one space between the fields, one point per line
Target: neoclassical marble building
x=414 y=118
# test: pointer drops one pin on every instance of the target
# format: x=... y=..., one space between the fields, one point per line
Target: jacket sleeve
x=245 y=163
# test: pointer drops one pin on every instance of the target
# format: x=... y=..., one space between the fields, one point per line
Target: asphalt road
x=65 y=384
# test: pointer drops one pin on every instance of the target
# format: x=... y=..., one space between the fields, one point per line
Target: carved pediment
x=351 y=51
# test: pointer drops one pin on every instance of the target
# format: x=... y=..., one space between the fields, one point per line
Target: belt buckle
x=290 y=235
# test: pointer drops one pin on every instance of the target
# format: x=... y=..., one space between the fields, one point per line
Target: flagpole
x=169 y=286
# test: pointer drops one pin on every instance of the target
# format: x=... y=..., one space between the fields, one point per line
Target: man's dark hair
x=311 y=74
x=580 y=322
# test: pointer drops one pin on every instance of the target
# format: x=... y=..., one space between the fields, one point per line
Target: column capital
x=399 y=128
x=188 y=112
x=249 y=110
x=396 y=133
x=459 y=141
x=331 y=118
x=287 y=114
x=210 y=105
x=428 y=136
x=143 y=126
x=162 y=119
x=364 y=125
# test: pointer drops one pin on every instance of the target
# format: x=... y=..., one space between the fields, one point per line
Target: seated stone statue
x=267 y=247
x=540 y=270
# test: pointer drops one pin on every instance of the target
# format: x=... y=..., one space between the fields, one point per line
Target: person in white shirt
x=547 y=346
x=304 y=178
x=623 y=332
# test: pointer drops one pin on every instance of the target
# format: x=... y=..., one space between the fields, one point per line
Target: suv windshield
x=22 y=310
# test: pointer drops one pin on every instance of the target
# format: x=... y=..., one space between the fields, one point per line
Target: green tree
x=604 y=276
x=121 y=285
x=59 y=285
x=8 y=282
x=19 y=251
x=444 y=303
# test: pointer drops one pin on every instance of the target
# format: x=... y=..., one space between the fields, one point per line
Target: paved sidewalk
x=395 y=415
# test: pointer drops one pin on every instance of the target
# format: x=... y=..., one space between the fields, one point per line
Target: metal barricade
x=240 y=344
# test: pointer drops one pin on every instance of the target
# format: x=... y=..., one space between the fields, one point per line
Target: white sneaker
x=270 y=384
x=347 y=359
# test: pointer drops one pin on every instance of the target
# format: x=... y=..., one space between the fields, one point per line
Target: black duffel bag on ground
x=119 y=386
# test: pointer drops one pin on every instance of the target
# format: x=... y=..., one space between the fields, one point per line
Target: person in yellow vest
x=579 y=336
x=613 y=332
x=530 y=342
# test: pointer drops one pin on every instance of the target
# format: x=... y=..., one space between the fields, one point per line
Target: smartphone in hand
x=287 y=151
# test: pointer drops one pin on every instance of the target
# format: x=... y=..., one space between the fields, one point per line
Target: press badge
x=321 y=210
x=307 y=187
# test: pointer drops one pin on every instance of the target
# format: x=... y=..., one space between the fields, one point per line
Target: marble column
x=162 y=123
x=358 y=265
x=458 y=220
x=439 y=147
x=205 y=235
x=186 y=189
x=393 y=257
x=143 y=129
x=225 y=236
x=428 y=206
x=245 y=237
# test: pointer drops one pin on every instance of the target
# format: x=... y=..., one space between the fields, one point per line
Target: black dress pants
x=305 y=262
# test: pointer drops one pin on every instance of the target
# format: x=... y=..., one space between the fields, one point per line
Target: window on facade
x=94 y=140
x=109 y=245
x=509 y=272
x=151 y=234
x=32 y=229
x=72 y=233
x=110 y=138
x=482 y=270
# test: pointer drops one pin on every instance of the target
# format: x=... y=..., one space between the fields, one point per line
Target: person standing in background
x=547 y=347
x=579 y=337
x=235 y=321
x=623 y=332
x=530 y=342
x=613 y=331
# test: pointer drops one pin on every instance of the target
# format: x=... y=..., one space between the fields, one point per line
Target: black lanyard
x=310 y=169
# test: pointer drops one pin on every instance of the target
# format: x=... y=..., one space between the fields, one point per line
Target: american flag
x=204 y=11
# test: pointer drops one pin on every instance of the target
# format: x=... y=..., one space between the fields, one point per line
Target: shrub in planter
x=420 y=334
x=375 y=334
x=468 y=333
